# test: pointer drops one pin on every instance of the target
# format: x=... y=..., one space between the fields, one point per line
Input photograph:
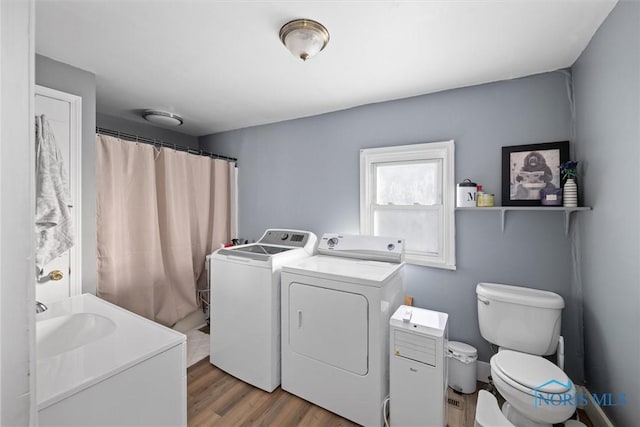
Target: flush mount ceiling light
x=162 y=118
x=304 y=37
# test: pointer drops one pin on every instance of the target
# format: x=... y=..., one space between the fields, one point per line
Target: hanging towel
x=54 y=229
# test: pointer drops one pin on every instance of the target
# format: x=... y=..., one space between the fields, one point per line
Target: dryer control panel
x=374 y=248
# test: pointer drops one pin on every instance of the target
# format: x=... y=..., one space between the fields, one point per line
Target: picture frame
x=526 y=169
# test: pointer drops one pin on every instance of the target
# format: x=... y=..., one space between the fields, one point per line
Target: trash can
x=462 y=367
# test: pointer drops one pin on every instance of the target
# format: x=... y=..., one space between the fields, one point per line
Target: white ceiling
x=221 y=66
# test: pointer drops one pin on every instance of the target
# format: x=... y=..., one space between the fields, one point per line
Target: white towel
x=54 y=229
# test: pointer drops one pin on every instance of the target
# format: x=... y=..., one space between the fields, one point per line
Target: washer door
x=329 y=326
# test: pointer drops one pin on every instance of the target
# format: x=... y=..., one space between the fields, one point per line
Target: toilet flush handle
x=484 y=301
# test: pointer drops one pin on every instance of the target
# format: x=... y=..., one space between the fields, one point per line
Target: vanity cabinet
x=132 y=373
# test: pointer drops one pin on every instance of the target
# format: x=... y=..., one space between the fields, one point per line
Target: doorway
x=61 y=277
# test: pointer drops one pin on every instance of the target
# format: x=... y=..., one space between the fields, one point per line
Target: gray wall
x=607 y=93
x=56 y=75
x=145 y=129
x=305 y=174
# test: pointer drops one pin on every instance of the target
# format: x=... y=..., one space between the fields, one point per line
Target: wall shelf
x=504 y=209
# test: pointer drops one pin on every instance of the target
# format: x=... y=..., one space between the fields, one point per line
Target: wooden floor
x=215 y=398
x=461 y=411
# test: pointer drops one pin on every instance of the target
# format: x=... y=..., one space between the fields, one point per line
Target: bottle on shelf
x=479 y=195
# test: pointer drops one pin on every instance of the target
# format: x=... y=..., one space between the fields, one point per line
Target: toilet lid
x=532 y=372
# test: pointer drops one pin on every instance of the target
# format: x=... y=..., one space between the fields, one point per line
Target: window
x=408 y=191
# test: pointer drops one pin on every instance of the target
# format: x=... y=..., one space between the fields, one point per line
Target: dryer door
x=329 y=326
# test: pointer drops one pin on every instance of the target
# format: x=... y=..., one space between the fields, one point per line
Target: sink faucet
x=40 y=307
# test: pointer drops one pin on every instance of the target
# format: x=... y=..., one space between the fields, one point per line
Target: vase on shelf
x=570 y=194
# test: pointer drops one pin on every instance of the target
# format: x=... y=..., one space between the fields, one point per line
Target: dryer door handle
x=299 y=319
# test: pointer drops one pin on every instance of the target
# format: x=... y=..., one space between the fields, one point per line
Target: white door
x=61 y=276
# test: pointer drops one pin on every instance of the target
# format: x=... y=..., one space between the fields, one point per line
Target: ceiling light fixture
x=162 y=118
x=304 y=37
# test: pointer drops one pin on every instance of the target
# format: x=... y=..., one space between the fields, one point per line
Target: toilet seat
x=529 y=373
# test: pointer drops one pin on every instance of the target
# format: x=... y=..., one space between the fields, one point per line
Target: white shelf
x=504 y=209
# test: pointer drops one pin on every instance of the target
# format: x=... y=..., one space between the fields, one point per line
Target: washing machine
x=245 y=304
x=335 y=324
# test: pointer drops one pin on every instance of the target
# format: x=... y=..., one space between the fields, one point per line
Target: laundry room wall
x=607 y=87
x=304 y=174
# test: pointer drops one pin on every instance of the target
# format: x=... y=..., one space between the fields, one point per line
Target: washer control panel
x=292 y=238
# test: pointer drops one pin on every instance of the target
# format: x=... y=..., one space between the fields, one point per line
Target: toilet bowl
x=538 y=393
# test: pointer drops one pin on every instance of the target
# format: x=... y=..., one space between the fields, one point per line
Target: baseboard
x=595 y=413
x=483 y=371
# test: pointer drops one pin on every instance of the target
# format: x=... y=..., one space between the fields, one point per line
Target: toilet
x=525 y=325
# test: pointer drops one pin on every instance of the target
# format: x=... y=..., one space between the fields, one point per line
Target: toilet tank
x=519 y=318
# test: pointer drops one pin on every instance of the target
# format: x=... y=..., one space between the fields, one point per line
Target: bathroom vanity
x=99 y=364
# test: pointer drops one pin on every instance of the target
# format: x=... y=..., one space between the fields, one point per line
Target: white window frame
x=444 y=151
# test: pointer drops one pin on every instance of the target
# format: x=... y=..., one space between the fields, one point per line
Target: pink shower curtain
x=159 y=213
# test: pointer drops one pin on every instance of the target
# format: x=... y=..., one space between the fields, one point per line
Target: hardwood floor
x=215 y=398
x=461 y=410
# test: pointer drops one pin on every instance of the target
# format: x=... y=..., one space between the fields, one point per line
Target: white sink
x=64 y=333
x=101 y=365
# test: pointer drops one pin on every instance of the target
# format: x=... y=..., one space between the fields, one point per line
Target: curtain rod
x=158 y=143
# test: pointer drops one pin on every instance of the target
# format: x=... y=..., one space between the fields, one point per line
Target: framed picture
x=526 y=169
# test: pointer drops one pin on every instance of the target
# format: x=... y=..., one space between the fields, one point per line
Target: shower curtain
x=159 y=213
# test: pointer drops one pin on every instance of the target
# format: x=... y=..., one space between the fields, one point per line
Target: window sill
x=426 y=263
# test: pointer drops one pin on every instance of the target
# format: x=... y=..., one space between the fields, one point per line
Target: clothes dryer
x=335 y=324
